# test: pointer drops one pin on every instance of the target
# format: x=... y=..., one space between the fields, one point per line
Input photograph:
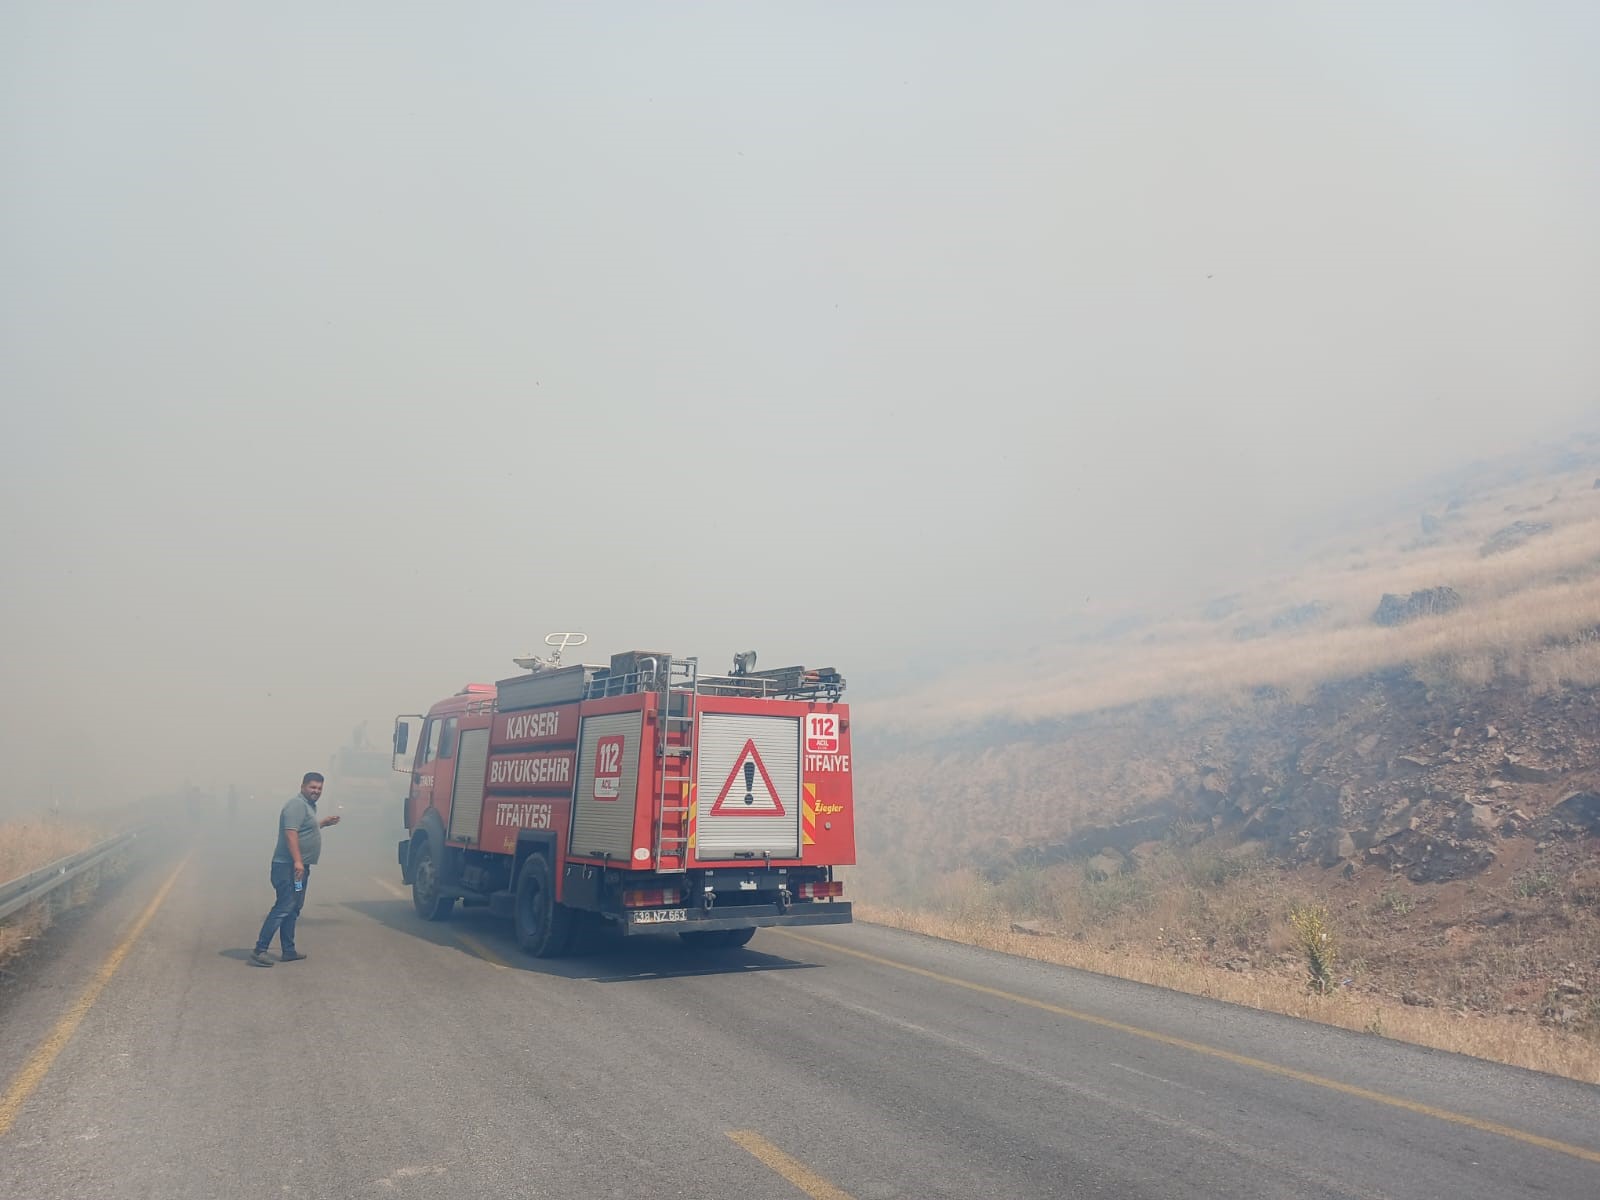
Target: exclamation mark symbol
x=749 y=782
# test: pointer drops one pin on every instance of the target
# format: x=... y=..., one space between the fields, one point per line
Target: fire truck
x=360 y=775
x=641 y=796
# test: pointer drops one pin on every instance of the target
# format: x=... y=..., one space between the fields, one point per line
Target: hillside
x=1404 y=731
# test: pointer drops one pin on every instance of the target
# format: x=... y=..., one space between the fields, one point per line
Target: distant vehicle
x=642 y=796
x=361 y=776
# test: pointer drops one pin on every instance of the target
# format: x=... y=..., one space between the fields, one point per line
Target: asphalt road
x=412 y=1059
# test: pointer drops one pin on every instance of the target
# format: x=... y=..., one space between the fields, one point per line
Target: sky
x=347 y=349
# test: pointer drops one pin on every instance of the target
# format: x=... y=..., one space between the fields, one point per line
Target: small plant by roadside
x=1396 y=903
x=1207 y=867
x=1530 y=885
x=1026 y=892
x=1314 y=935
x=1105 y=898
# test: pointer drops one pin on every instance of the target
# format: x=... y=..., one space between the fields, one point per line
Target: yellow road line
x=471 y=943
x=797 y=1173
x=38 y=1066
x=1241 y=1060
x=482 y=951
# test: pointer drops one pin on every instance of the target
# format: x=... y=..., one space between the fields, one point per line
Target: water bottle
x=300 y=884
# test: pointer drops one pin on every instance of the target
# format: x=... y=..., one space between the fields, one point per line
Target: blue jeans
x=285 y=909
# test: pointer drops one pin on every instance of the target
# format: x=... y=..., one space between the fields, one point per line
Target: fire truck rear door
x=747 y=787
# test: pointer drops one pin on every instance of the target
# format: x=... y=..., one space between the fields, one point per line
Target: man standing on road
x=299 y=847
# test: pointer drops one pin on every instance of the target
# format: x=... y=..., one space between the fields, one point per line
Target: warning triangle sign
x=748 y=791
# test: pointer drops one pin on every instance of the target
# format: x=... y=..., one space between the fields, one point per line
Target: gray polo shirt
x=300 y=815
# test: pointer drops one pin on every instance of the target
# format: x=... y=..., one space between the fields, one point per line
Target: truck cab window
x=447 y=741
x=430 y=740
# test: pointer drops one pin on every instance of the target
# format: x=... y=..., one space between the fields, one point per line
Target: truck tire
x=718 y=939
x=544 y=928
x=425 y=897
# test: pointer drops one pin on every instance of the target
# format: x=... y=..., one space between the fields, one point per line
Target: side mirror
x=402 y=738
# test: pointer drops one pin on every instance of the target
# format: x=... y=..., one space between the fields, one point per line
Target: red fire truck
x=643 y=796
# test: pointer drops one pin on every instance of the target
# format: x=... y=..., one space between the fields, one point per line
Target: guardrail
x=36 y=885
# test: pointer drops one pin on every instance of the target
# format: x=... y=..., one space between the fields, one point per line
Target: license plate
x=659 y=916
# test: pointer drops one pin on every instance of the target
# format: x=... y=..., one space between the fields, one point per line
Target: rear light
x=652 y=897
x=821 y=891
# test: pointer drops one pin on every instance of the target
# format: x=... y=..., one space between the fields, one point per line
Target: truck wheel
x=718 y=939
x=544 y=928
x=425 y=897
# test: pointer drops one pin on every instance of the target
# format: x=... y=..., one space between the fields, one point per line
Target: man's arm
x=293 y=835
x=326 y=821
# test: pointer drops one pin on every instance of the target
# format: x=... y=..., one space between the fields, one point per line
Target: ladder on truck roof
x=675 y=768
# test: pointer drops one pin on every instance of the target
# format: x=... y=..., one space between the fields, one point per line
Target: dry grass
x=28 y=845
x=1531 y=614
x=1474 y=958
x=22 y=929
x=1499 y=1039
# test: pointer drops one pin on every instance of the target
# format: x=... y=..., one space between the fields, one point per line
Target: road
x=143 y=1057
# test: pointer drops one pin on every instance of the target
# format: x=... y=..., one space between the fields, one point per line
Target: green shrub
x=1026 y=892
x=1532 y=884
x=1313 y=930
x=1107 y=897
x=1397 y=903
x=1206 y=866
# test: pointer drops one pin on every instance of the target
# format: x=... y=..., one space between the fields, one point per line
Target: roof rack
x=783 y=683
x=641 y=672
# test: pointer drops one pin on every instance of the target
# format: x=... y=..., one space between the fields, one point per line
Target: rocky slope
x=1456 y=831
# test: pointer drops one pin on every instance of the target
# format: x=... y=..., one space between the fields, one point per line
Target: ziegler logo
x=523 y=816
x=827 y=810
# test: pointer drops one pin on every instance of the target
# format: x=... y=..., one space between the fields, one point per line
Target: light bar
x=821 y=891
x=652 y=897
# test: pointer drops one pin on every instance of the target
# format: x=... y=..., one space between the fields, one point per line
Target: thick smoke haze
x=347 y=349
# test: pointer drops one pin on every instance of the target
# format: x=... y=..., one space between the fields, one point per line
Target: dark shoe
x=291 y=956
x=258 y=958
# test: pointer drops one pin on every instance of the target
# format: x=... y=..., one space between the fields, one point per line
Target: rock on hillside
x=1386 y=775
x=1376 y=773
x=1513 y=535
x=1429 y=602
